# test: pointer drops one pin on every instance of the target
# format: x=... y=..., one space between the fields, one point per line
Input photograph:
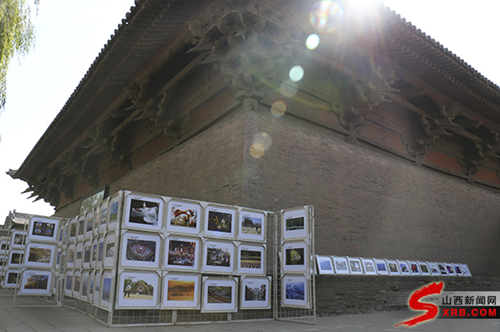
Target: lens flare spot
x=326 y=16
x=257 y=150
x=312 y=41
x=278 y=108
x=288 y=88
x=296 y=73
x=263 y=139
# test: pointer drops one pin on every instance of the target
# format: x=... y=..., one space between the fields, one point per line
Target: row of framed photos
x=156 y=213
x=190 y=254
x=37 y=255
x=369 y=266
x=147 y=289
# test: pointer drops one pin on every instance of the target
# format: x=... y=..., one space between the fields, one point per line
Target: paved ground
x=64 y=319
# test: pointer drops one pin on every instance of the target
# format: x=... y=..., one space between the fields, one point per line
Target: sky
x=70 y=35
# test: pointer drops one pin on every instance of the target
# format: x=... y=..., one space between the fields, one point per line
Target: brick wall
x=362 y=294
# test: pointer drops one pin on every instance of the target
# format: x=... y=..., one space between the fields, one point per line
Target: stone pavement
x=63 y=319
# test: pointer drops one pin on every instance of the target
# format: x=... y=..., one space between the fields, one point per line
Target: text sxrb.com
x=440 y=304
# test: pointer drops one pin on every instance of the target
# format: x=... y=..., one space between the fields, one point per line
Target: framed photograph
x=79 y=255
x=219 y=295
x=97 y=221
x=182 y=254
x=12 y=278
x=36 y=282
x=109 y=250
x=73 y=229
x=43 y=229
x=295 y=291
x=252 y=225
x=381 y=266
x=87 y=251
x=100 y=251
x=324 y=265
x=114 y=210
x=16 y=258
x=80 y=235
x=414 y=268
x=77 y=283
x=18 y=240
x=393 y=267
x=434 y=269
x=294 y=223
x=97 y=287
x=89 y=224
x=220 y=222
x=140 y=250
x=4 y=247
x=93 y=253
x=465 y=270
x=106 y=290
x=218 y=257
x=68 y=288
x=369 y=266
x=181 y=291
x=340 y=265
x=458 y=269
x=85 y=285
x=143 y=212
x=442 y=269
x=91 y=286
x=251 y=259
x=355 y=265
x=404 y=268
x=450 y=269
x=424 y=269
x=40 y=255
x=255 y=293
x=183 y=217
x=294 y=257
x=103 y=219
x=70 y=256
x=138 y=289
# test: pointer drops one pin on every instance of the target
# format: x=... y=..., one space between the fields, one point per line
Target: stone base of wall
x=340 y=295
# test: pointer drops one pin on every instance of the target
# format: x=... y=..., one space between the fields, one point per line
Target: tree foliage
x=16 y=36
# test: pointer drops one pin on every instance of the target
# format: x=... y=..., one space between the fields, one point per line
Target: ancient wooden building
x=394 y=139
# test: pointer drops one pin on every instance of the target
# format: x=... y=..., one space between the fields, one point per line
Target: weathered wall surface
x=368 y=203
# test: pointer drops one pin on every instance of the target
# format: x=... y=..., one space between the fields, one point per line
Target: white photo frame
x=458 y=269
x=109 y=250
x=220 y=222
x=404 y=268
x=181 y=291
x=184 y=217
x=89 y=224
x=18 y=240
x=16 y=258
x=36 y=282
x=40 y=255
x=97 y=288
x=414 y=268
x=340 y=265
x=294 y=224
x=114 y=210
x=91 y=286
x=450 y=269
x=255 y=293
x=84 y=294
x=182 y=254
x=106 y=293
x=434 y=269
x=324 y=265
x=68 y=285
x=73 y=229
x=252 y=225
x=355 y=265
x=218 y=257
x=295 y=257
x=97 y=220
x=381 y=267
x=442 y=269
x=43 y=229
x=143 y=212
x=251 y=259
x=138 y=289
x=465 y=270
x=80 y=233
x=369 y=266
x=70 y=256
x=77 y=283
x=140 y=250
x=100 y=251
x=393 y=267
x=295 y=291
x=424 y=268
x=4 y=247
x=93 y=253
x=219 y=295
x=12 y=278
x=103 y=216
x=87 y=253
x=79 y=255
